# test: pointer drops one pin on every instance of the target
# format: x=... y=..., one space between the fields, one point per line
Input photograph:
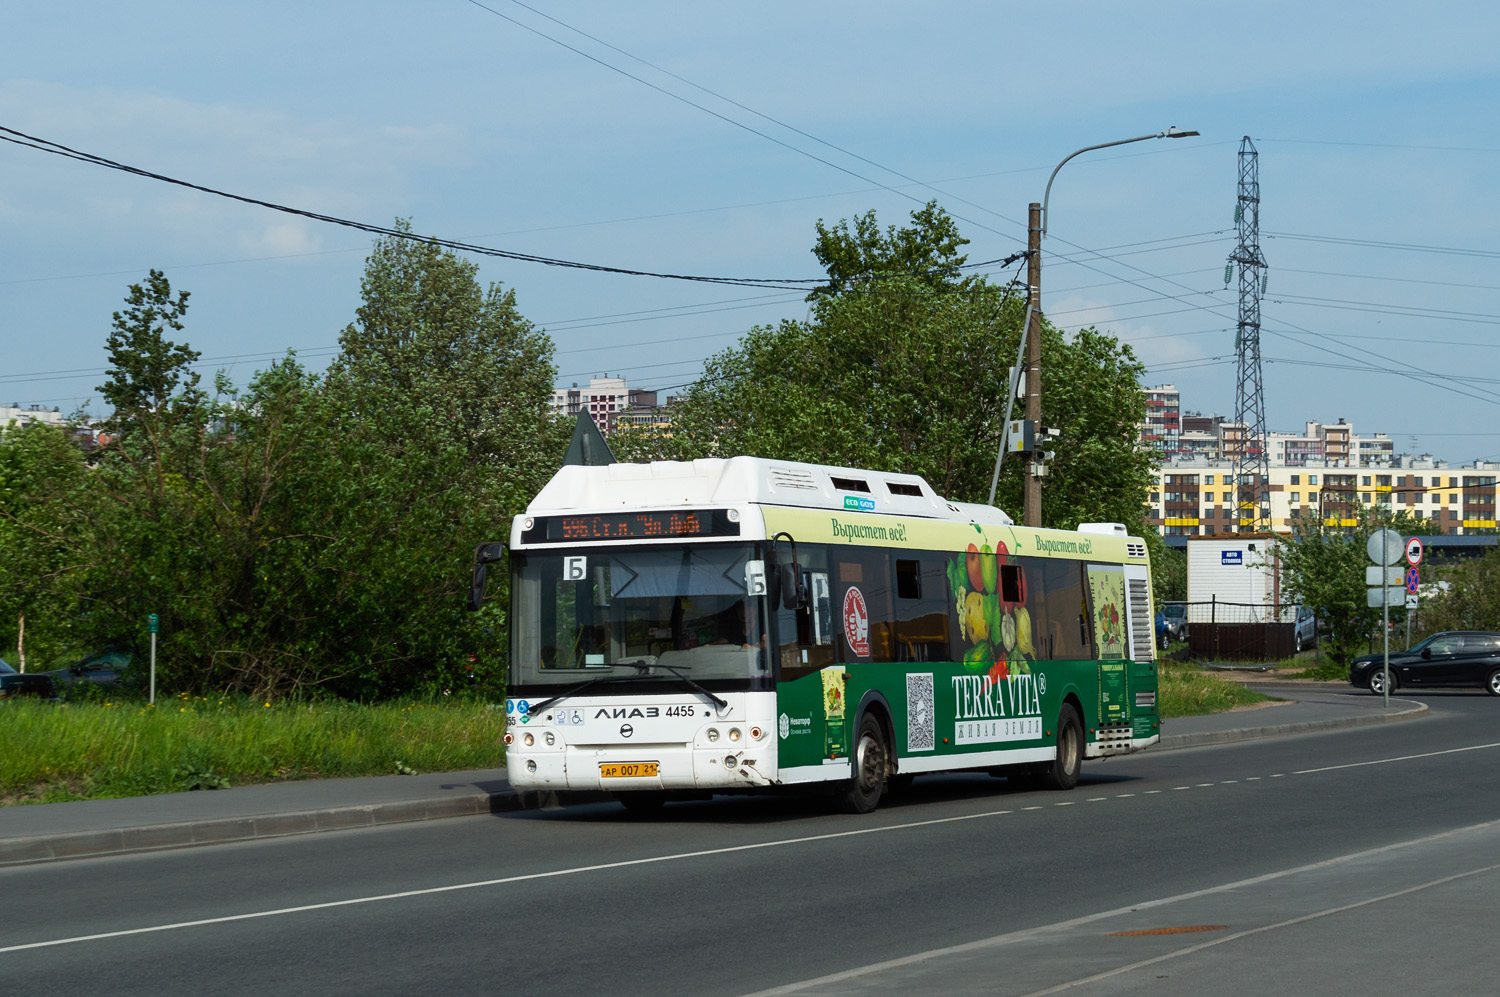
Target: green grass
x=1187 y=691
x=108 y=748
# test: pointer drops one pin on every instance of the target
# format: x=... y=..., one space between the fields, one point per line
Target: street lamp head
x=1174 y=132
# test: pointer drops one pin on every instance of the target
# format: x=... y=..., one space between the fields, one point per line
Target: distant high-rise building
x=1163 y=423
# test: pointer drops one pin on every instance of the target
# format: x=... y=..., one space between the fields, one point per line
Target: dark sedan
x=1451 y=658
x=13 y=683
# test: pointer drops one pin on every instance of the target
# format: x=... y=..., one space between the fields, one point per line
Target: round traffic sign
x=1414 y=551
x=1385 y=546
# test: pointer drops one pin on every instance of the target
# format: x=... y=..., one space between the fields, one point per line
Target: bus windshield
x=588 y=613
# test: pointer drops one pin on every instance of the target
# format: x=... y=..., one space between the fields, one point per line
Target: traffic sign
x=1414 y=551
x=1378 y=575
x=1413 y=579
x=151 y=623
x=1389 y=595
x=1385 y=546
x=1411 y=601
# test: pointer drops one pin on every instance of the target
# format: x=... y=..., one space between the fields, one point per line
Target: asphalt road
x=1354 y=861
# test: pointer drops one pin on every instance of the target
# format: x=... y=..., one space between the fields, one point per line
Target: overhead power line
x=44 y=145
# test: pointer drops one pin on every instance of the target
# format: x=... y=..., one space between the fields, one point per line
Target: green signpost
x=153 y=623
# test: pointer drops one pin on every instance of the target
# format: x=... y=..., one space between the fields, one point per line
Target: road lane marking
x=1229 y=782
x=1121 y=796
x=1028 y=934
x=1399 y=758
x=1327 y=912
x=479 y=884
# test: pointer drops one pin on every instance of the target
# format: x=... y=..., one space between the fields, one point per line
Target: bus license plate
x=627 y=770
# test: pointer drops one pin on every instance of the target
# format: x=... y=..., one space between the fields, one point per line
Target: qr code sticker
x=919 y=713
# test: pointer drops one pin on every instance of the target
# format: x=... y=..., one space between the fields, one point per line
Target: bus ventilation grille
x=1134 y=549
x=1143 y=646
x=790 y=477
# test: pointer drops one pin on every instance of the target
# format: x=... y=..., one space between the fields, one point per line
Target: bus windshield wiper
x=720 y=703
x=575 y=690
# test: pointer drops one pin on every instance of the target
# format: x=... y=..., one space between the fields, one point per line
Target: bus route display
x=652 y=525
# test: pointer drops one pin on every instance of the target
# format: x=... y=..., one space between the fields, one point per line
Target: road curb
x=1170 y=741
x=218 y=831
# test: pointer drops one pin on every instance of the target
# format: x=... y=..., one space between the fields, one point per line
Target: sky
x=709 y=139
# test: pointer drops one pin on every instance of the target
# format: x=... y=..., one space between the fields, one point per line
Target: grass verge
x=1185 y=690
x=89 y=751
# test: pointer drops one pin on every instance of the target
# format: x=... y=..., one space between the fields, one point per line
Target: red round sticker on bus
x=856 y=622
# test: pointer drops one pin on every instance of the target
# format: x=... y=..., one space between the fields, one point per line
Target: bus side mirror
x=793 y=594
x=484 y=555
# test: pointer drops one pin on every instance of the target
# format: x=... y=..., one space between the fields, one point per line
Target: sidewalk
x=47 y=831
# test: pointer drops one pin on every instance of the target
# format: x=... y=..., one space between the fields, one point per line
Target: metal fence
x=1239 y=631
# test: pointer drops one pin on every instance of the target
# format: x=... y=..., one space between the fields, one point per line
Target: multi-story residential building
x=1163 y=423
x=1195 y=496
x=611 y=403
x=15 y=413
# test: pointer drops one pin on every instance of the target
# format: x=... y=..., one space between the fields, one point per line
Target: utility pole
x=1251 y=462
x=1035 y=467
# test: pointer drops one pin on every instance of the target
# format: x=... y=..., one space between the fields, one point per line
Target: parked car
x=108 y=669
x=1451 y=658
x=1176 y=614
x=1161 y=628
x=14 y=684
x=1306 y=628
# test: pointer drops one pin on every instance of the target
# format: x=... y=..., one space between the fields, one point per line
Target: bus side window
x=806 y=636
x=923 y=608
x=1056 y=591
x=863 y=605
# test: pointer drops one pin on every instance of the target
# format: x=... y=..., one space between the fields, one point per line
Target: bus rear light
x=713 y=733
x=757 y=733
x=730 y=761
x=734 y=733
x=550 y=738
x=529 y=740
x=530 y=766
x=508 y=738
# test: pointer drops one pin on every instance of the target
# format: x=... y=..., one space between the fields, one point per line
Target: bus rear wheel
x=1062 y=772
x=861 y=794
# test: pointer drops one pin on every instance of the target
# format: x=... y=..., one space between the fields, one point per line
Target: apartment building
x=1163 y=424
x=1195 y=496
x=612 y=403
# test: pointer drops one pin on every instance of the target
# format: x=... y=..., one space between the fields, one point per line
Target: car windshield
x=1175 y=612
x=592 y=613
x=5 y=668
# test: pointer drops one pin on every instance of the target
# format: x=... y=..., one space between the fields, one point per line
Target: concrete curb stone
x=84 y=844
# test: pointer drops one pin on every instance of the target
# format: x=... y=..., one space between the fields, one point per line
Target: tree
x=313 y=534
x=41 y=473
x=1471 y=599
x=928 y=251
x=1324 y=567
x=152 y=387
x=909 y=373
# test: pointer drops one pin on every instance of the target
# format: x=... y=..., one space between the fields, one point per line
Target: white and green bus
x=715 y=626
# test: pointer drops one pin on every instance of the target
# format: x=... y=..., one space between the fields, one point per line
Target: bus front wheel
x=862 y=793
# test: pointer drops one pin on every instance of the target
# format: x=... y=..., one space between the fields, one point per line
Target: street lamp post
x=1036 y=228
